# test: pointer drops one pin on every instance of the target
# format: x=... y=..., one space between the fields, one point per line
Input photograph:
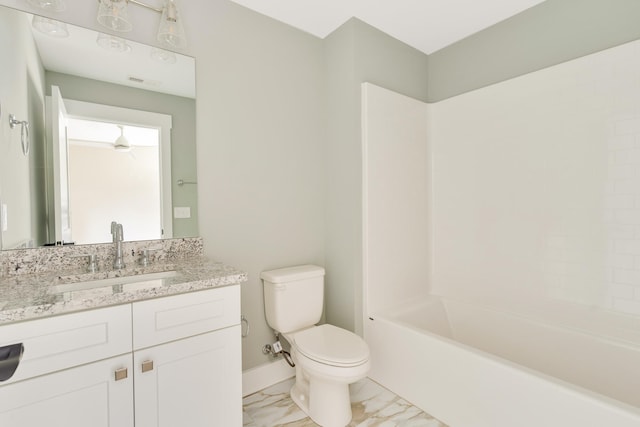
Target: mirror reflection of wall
x=26 y=80
x=21 y=94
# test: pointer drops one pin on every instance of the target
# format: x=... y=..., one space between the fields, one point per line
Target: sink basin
x=128 y=283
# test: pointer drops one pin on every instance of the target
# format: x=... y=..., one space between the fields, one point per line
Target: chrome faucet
x=116 y=232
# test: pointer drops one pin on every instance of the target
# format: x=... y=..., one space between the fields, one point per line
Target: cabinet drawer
x=60 y=342
x=167 y=319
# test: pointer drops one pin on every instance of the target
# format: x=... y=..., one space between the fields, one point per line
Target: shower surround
x=529 y=209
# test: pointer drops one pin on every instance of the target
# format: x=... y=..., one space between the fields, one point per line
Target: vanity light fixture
x=171 y=31
x=50 y=27
x=49 y=5
x=165 y=56
x=113 y=43
x=113 y=14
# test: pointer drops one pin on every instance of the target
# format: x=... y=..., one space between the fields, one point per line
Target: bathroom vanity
x=147 y=346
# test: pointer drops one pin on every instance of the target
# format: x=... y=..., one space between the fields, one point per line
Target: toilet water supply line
x=276 y=349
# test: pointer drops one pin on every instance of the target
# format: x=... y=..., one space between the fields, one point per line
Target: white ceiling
x=427 y=25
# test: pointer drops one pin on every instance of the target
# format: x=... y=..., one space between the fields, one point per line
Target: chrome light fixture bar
x=113 y=15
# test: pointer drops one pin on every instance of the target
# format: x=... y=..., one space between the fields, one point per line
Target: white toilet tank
x=293 y=297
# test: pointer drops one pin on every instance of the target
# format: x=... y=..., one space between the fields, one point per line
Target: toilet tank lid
x=290 y=274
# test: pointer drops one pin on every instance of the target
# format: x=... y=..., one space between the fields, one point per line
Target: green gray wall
x=261 y=150
x=21 y=94
x=550 y=33
x=183 y=139
x=355 y=53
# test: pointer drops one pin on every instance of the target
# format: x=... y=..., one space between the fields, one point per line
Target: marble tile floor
x=371 y=404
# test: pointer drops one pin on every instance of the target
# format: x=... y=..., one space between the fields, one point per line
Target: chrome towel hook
x=24 y=132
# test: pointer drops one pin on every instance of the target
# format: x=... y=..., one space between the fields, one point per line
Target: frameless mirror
x=104 y=130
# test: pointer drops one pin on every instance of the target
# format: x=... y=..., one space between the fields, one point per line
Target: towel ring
x=24 y=132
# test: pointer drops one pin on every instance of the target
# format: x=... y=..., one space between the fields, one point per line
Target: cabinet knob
x=147 y=366
x=121 y=374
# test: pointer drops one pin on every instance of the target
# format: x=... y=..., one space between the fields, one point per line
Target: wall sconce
x=113 y=14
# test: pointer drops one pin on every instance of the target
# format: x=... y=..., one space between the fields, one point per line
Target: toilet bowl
x=327 y=358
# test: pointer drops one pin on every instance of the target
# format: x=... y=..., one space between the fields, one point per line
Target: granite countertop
x=34 y=296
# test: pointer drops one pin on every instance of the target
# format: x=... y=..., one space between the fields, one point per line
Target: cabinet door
x=195 y=382
x=84 y=396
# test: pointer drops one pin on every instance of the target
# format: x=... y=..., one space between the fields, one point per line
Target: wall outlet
x=3 y=217
x=182 y=212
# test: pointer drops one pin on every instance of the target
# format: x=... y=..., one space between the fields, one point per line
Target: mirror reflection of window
x=114 y=174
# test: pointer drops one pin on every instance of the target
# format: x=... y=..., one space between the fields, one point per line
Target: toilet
x=327 y=358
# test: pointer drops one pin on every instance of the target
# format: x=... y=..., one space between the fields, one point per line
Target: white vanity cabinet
x=195 y=381
x=164 y=362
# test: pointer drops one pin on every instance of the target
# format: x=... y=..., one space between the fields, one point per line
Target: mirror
x=92 y=72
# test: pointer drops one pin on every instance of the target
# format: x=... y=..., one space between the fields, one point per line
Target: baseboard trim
x=263 y=376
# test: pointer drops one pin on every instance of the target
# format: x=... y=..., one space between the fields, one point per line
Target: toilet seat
x=331 y=345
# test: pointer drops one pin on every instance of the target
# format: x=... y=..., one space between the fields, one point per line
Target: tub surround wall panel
x=395 y=192
x=544 y=35
x=537 y=187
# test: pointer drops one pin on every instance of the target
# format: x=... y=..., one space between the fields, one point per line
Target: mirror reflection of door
x=60 y=221
x=114 y=175
x=108 y=166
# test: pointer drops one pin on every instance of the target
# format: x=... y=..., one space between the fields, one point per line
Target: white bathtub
x=471 y=366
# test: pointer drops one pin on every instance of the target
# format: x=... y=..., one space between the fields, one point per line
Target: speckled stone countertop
x=33 y=296
x=45 y=293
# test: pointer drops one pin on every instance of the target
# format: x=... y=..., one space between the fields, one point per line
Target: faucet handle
x=144 y=256
x=92 y=259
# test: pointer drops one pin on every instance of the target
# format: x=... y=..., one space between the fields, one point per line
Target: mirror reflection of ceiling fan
x=109 y=135
x=122 y=143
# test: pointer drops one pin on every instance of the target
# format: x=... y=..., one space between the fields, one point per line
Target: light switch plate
x=182 y=212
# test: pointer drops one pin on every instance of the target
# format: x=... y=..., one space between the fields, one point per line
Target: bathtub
x=473 y=366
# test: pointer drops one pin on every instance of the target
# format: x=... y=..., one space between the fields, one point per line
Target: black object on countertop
x=10 y=356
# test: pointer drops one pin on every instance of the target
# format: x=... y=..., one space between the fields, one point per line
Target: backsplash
x=69 y=258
